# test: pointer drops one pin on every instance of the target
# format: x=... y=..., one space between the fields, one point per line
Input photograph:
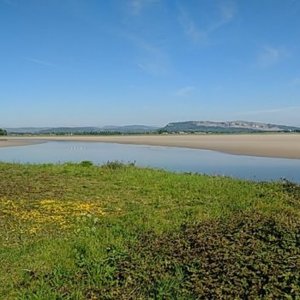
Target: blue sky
x=94 y=62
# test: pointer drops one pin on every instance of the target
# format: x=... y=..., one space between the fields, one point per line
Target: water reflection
x=174 y=159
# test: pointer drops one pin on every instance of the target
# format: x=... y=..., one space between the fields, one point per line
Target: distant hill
x=69 y=130
x=226 y=126
x=175 y=127
x=25 y=129
x=83 y=130
x=130 y=128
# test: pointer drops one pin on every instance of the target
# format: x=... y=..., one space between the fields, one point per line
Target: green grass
x=78 y=231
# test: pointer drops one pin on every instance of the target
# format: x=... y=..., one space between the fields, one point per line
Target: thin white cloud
x=295 y=82
x=137 y=6
x=153 y=68
x=153 y=59
x=270 y=56
x=185 y=91
x=40 y=62
x=270 y=111
x=190 y=28
x=226 y=12
x=9 y=2
x=294 y=6
x=278 y=115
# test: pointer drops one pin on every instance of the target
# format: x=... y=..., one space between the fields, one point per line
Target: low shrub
x=246 y=257
x=114 y=165
x=86 y=163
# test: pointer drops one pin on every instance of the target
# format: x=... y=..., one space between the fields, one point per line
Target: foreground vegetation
x=78 y=231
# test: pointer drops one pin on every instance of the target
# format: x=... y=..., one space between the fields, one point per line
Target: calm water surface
x=174 y=159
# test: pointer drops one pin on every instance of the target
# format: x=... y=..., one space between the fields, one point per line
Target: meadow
x=80 y=231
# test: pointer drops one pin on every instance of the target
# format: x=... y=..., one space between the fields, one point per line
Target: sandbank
x=12 y=142
x=267 y=145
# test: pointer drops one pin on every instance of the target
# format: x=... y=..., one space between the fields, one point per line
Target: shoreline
x=18 y=142
x=263 y=145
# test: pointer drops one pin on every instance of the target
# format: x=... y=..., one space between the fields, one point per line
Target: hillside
x=174 y=127
x=83 y=130
x=226 y=126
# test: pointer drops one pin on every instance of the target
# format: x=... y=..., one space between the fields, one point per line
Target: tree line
x=3 y=132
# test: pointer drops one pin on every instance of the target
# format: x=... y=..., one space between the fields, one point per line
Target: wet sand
x=12 y=142
x=267 y=145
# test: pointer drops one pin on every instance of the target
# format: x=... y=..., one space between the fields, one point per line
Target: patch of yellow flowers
x=39 y=214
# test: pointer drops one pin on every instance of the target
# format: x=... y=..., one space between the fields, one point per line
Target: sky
x=118 y=62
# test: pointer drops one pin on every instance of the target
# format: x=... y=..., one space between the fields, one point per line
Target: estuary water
x=168 y=158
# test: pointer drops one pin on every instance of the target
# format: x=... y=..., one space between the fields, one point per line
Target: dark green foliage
x=117 y=165
x=293 y=190
x=86 y=163
x=3 y=132
x=249 y=256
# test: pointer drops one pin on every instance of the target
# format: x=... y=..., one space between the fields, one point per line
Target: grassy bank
x=120 y=232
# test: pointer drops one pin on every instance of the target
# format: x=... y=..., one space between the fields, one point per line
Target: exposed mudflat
x=267 y=145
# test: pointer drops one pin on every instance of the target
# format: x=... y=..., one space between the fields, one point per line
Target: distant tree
x=3 y=132
x=161 y=131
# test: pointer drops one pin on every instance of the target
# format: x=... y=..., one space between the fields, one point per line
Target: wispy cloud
x=40 y=62
x=295 y=82
x=152 y=59
x=270 y=56
x=152 y=67
x=294 y=6
x=9 y=2
x=137 y=6
x=276 y=115
x=185 y=91
x=190 y=28
x=271 y=110
x=226 y=12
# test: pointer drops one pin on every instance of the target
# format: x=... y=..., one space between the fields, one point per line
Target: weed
x=80 y=231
